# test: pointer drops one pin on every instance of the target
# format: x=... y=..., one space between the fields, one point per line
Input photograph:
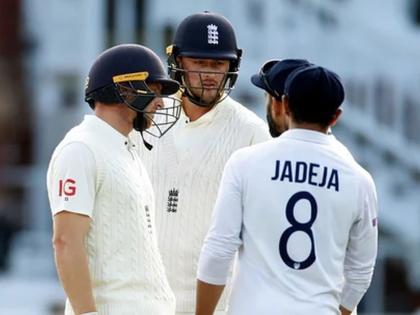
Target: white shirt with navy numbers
x=303 y=215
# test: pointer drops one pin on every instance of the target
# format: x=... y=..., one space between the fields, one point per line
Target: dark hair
x=314 y=94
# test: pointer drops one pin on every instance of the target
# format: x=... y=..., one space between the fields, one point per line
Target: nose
x=209 y=73
x=156 y=104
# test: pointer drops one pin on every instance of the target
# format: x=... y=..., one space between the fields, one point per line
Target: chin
x=211 y=99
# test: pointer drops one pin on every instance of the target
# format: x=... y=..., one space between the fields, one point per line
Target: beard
x=274 y=132
x=201 y=95
x=206 y=98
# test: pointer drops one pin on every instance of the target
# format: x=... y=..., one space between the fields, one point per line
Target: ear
x=276 y=107
x=336 y=116
x=285 y=101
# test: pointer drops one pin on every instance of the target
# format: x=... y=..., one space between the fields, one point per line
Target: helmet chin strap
x=196 y=100
x=140 y=124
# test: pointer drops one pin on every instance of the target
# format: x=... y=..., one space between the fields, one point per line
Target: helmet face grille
x=196 y=94
x=163 y=119
x=135 y=94
x=154 y=120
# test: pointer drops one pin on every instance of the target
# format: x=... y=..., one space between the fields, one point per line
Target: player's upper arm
x=362 y=247
x=71 y=180
x=224 y=236
x=227 y=212
x=365 y=228
x=70 y=227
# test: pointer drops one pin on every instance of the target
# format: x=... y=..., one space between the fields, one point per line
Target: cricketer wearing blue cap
x=271 y=78
x=303 y=216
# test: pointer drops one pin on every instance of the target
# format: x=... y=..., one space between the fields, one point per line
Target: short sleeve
x=71 y=180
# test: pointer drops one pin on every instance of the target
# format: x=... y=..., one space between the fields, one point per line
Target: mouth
x=149 y=115
x=210 y=85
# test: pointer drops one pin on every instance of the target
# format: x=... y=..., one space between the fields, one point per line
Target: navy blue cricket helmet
x=204 y=35
x=127 y=63
x=122 y=75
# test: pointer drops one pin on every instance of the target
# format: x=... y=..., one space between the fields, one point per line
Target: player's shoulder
x=68 y=152
x=340 y=148
x=74 y=148
x=74 y=144
x=72 y=156
x=242 y=114
x=79 y=132
x=256 y=151
x=363 y=175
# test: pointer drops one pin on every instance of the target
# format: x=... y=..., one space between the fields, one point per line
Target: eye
x=222 y=64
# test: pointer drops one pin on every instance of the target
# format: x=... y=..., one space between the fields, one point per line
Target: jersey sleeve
x=362 y=249
x=224 y=236
x=71 y=180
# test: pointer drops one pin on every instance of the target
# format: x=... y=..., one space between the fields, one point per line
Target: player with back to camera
x=303 y=215
x=271 y=78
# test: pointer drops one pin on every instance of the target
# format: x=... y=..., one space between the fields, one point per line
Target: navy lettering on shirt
x=306 y=172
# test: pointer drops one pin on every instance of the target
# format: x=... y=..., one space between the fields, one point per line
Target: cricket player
x=186 y=165
x=100 y=194
x=299 y=210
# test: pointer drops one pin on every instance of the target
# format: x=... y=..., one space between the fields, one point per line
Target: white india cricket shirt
x=303 y=215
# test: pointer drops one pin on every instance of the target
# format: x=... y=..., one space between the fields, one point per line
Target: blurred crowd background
x=47 y=46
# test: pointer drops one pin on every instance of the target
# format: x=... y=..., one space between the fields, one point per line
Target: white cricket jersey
x=95 y=171
x=303 y=215
x=185 y=167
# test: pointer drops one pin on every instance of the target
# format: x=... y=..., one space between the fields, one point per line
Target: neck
x=308 y=126
x=192 y=110
x=117 y=116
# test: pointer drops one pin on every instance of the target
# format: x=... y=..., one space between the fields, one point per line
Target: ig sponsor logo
x=66 y=187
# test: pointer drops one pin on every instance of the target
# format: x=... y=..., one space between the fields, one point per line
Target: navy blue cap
x=274 y=73
x=316 y=87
